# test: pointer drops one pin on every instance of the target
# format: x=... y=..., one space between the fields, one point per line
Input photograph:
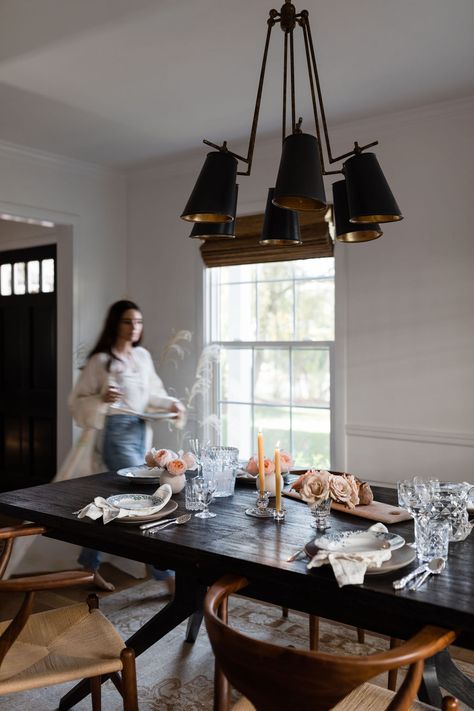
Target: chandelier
x=362 y=199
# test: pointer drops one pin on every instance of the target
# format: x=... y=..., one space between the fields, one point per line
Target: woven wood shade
x=245 y=249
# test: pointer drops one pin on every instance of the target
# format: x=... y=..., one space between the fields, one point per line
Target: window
x=274 y=323
x=25 y=277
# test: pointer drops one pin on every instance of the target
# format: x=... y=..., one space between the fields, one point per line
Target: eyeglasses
x=132 y=321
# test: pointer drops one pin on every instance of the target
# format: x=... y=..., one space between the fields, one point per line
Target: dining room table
x=202 y=550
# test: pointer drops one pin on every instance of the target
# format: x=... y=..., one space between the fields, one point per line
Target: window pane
x=236 y=424
x=236 y=374
x=275 y=270
x=314 y=310
x=237 y=312
x=275 y=311
x=272 y=375
x=311 y=377
x=33 y=277
x=243 y=272
x=274 y=422
x=311 y=437
x=19 y=286
x=6 y=279
x=323 y=267
x=47 y=275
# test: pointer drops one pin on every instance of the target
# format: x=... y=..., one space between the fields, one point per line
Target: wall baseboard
x=457 y=439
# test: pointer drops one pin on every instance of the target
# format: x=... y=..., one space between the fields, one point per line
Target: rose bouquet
x=317 y=486
x=286 y=462
x=175 y=463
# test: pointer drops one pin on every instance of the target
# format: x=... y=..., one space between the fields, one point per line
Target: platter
x=167 y=509
x=140 y=475
x=352 y=541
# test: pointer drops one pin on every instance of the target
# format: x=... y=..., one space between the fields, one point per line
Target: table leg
x=453 y=680
x=429 y=691
x=187 y=600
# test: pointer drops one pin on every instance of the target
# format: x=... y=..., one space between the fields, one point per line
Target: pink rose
x=268 y=466
x=190 y=460
x=340 y=490
x=354 y=501
x=150 y=457
x=163 y=456
x=176 y=467
x=315 y=487
x=252 y=466
x=286 y=461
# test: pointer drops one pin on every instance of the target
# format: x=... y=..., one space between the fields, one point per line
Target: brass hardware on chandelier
x=367 y=199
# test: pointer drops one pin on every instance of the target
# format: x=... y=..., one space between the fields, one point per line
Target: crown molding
x=456 y=439
x=9 y=150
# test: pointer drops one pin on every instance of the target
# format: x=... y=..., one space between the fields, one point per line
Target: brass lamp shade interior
x=216 y=230
x=280 y=226
x=369 y=196
x=213 y=197
x=347 y=231
x=299 y=185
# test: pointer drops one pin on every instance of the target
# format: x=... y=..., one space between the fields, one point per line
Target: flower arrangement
x=286 y=462
x=175 y=463
x=316 y=486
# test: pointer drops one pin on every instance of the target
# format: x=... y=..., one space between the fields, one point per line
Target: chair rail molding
x=458 y=439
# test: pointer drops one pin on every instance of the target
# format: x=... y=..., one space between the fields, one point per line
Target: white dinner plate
x=169 y=508
x=137 y=504
x=400 y=558
x=350 y=541
x=141 y=475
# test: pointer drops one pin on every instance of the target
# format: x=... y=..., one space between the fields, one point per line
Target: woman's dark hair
x=108 y=336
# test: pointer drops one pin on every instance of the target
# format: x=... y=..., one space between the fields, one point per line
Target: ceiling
x=119 y=82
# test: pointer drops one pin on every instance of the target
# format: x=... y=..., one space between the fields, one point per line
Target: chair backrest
x=274 y=677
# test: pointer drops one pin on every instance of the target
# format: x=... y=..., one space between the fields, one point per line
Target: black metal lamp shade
x=347 y=231
x=299 y=184
x=280 y=226
x=213 y=197
x=368 y=194
x=216 y=230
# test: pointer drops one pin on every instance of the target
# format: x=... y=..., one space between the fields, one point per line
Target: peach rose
x=190 y=460
x=176 y=467
x=354 y=490
x=340 y=490
x=150 y=457
x=268 y=466
x=252 y=466
x=286 y=461
x=315 y=487
x=163 y=456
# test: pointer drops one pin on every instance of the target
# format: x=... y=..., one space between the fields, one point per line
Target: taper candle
x=261 y=463
x=277 y=479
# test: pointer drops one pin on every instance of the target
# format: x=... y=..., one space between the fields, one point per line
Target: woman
x=118 y=380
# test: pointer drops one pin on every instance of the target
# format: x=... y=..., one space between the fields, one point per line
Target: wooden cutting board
x=376 y=511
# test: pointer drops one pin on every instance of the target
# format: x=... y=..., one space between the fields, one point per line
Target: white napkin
x=350 y=568
x=99 y=507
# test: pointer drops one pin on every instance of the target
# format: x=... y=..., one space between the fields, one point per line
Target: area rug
x=176 y=676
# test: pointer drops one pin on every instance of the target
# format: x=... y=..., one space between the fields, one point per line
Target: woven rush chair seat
x=275 y=678
x=60 y=645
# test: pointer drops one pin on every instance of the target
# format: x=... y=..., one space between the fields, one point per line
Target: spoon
x=435 y=566
x=184 y=518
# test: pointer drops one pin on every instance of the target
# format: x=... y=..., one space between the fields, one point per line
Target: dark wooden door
x=27 y=367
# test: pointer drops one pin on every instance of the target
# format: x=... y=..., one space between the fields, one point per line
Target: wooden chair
x=275 y=678
x=60 y=645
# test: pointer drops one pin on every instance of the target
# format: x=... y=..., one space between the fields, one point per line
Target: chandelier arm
x=285 y=86
x=292 y=76
x=358 y=149
x=313 y=95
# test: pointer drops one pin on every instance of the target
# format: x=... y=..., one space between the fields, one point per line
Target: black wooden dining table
x=204 y=549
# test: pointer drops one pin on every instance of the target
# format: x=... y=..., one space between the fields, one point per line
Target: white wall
x=405 y=323
x=89 y=205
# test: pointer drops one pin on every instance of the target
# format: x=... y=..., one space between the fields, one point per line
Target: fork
x=176 y=521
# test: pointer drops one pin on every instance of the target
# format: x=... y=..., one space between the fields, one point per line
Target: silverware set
x=419 y=576
x=164 y=523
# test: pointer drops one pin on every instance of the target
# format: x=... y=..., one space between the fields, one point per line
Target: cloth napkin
x=350 y=568
x=101 y=508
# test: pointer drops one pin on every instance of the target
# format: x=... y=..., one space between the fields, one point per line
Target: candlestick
x=277 y=479
x=261 y=463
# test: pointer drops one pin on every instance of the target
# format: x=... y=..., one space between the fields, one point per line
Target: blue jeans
x=123 y=446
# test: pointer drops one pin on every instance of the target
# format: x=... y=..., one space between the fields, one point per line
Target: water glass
x=221 y=464
x=431 y=538
x=205 y=491
x=191 y=495
x=449 y=501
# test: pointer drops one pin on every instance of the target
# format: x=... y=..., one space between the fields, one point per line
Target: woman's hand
x=112 y=395
x=177 y=407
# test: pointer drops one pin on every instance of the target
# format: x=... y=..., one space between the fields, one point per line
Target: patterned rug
x=175 y=676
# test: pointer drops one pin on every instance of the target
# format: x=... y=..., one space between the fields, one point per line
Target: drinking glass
x=431 y=538
x=205 y=491
x=191 y=496
x=449 y=501
x=222 y=462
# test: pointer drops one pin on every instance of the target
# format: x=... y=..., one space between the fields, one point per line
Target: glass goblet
x=205 y=491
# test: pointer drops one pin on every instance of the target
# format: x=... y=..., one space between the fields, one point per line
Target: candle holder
x=261 y=509
x=279 y=515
